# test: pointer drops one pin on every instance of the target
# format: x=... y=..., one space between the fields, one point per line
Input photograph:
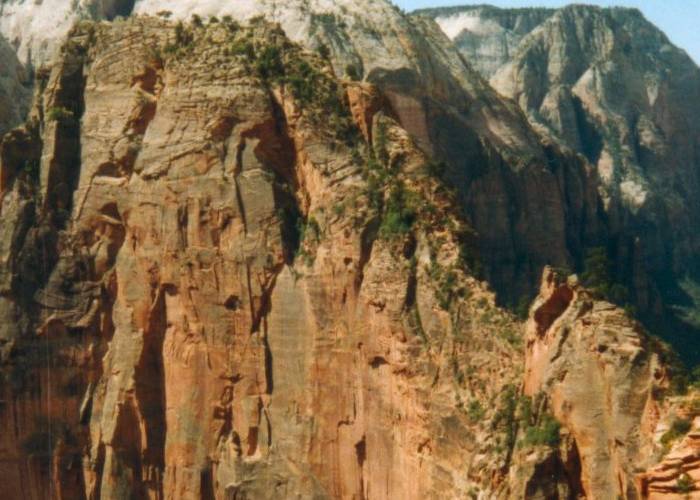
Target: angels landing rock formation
x=254 y=259
x=214 y=286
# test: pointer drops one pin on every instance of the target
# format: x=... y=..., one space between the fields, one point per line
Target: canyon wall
x=206 y=294
x=228 y=269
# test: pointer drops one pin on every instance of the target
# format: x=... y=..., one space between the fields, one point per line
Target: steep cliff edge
x=603 y=378
x=227 y=273
x=236 y=294
x=531 y=204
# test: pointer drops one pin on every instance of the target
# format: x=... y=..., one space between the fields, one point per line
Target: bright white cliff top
x=32 y=27
x=36 y=27
x=453 y=25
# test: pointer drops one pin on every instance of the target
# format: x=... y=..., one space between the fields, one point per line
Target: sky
x=679 y=19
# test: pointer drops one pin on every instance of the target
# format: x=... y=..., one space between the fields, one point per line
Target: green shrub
x=685 y=484
x=338 y=209
x=679 y=428
x=544 y=434
x=447 y=288
x=596 y=267
x=324 y=51
x=399 y=215
x=511 y=336
x=353 y=73
x=301 y=78
x=381 y=144
x=59 y=114
x=183 y=37
x=243 y=48
x=475 y=411
x=269 y=63
x=504 y=418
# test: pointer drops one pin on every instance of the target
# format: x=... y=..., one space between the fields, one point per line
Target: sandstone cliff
x=229 y=270
x=214 y=286
x=602 y=376
x=530 y=203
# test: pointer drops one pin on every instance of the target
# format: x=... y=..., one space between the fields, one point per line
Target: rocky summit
x=329 y=249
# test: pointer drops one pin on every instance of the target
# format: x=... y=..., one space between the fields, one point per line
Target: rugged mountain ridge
x=254 y=272
x=527 y=200
x=487 y=36
x=609 y=85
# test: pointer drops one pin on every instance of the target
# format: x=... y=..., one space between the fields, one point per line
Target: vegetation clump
x=475 y=411
x=597 y=276
x=268 y=64
x=679 y=428
x=545 y=433
x=324 y=51
x=184 y=39
x=59 y=114
x=540 y=427
x=685 y=484
x=505 y=417
x=399 y=213
x=197 y=21
x=353 y=73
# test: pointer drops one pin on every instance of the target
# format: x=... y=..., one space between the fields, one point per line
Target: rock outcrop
x=230 y=269
x=15 y=92
x=237 y=295
x=678 y=473
x=602 y=376
x=487 y=36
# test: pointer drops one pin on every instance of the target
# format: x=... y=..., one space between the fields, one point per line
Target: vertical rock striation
x=240 y=295
x=602 y=376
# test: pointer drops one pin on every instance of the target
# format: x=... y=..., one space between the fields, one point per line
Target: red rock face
x=678 y=473
x=602 y=376
x=228 y=312
x=219 y=284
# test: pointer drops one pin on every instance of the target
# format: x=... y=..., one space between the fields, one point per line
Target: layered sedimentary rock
x=603 y=376
x=678 y=473
x=531 y=204
x=206 y=294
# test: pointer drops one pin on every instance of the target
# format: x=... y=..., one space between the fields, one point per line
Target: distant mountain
x=609 y=85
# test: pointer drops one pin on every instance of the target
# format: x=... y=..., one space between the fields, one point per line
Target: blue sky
x=679 y=19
